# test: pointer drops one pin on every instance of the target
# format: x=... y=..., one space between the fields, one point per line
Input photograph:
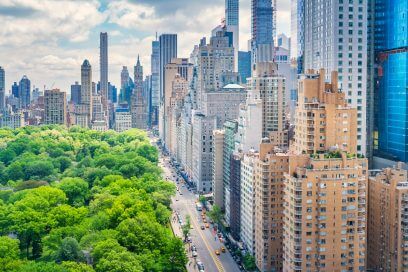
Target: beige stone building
x=55 y=105
x=323 y=121
x=325 y=188
x=217 y=171
x=270 y=168
x=388 y=220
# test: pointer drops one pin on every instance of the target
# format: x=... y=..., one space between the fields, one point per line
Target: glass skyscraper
x=2 y=88
x=24 y=92
x=262 y=31
x=244 y=65
x=391 y=53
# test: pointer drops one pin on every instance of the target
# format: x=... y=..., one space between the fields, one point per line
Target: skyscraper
x=76 y=93
x=55 y=105
x=390 y=77
x=232 y=24
x=14 y=89
x=341 y=46
x=83 y=111
x=244 y=65
x=2 y=89
x=297 y=37
x=155 y=82
x=325 y=186
x=138 y=106
x=103 y=62
x=262 y=42
x=168 y=51
x=24 y=92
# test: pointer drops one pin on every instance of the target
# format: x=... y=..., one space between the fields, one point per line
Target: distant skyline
x=49 y=40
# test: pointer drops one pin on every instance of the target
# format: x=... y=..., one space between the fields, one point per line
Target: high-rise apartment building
x=103 y=62
x=269 y=168
x=340 y=45
x=123 y=119
x=269 y=85
x=389 y=48
x=24 y=92
x=155 y=79
x=388 y=220
x=262 y=43
x=202 y=153
x=232 y=25
x=217 y=171
x=177 y=67
x=213 y=61
x=76 y=93
x=55 y=105
x=325 y=187
x=168 y=51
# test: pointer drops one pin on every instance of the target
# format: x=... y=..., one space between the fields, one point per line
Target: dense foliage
x=81 y=200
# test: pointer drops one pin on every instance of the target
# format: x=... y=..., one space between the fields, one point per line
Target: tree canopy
x=81 y=200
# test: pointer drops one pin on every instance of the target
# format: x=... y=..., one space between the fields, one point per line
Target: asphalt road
x=205 y=240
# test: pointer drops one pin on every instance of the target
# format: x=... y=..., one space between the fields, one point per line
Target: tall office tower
x=270 y=165
x=341 y=46
x=103 y=62
x=2 y=89
x=14 y=89
x=138 y=103
x=177 y=66
x=112 y=93
x=214 y=60
x=325 y=188
x=297 y=31
x=155 y=89
x=388 y=220
x=203 y=127
x=126 y=87
x=232 y=24
x=24 y=92
x=269 y=85
x=76 y=93
x=217 y=171
x=262 y=43
x=124 y=77
x=83 y=111
x=244 y=65
x=168 y=51
x=390 y=42
x=55 y=104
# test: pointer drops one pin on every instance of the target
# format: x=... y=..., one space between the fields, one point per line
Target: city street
x=206 y=241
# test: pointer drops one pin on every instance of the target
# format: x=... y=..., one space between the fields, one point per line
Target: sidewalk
x=191 y=267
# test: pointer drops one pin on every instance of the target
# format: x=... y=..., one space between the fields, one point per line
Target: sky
x=47 y=40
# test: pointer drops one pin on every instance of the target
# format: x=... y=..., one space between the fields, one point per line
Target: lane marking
x=217 y=261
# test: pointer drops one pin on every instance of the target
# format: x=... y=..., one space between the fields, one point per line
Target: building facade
x=55 y=105
x=2 y=89
x=103 y=62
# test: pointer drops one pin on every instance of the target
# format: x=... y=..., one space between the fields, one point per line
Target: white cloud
x=48 y=40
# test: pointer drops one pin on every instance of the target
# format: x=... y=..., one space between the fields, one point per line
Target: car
x=194 y=254
x=181 y=193
x=223 y=249
x=217 y=252
x=200 y=266
x=202 y=227
x=176 y=199
x=207 y=226
x=193 y=248
x=205 y=220
x=189 y=239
